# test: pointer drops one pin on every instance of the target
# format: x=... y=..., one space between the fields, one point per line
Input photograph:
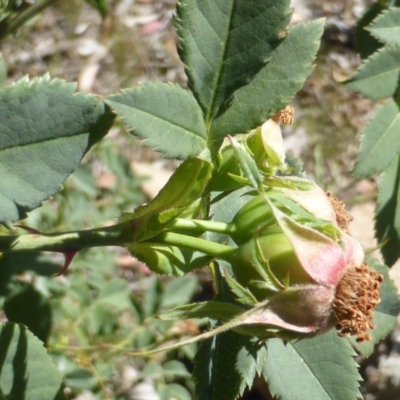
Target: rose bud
x=266 y=145
x=308 y=272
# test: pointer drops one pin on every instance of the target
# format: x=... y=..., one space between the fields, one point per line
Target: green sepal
x=300 y=215
x=221 y=311
x=166 y=259
x=247 y=165
x=266 y=145
x=222 y=180
x=256 y=214
x=175 y=197
x=243 y=295
x=253 y=260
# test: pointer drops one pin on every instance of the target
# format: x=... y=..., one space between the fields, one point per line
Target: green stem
x=213 y=249
x=235 y=322
x=115 y=235
x=11 y=24
x=119 y=235
x=201 y=225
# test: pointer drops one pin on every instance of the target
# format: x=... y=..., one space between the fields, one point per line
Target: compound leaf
x=165 y=116
x=379 y=143
x=224 y=43
x=378 y=75
x=45 y=129
x=274 y=85
x=386 y=27
x=26 y=370
x=320 y=368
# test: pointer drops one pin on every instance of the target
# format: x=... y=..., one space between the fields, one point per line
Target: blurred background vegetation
x=104 y=305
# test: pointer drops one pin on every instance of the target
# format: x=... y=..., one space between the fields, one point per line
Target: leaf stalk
x=213 y=249
x=199 y=225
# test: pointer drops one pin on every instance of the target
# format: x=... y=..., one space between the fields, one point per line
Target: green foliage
x=378 y=78
x=175 y=197
x=378 y=75
x=321 y=368
x=225 y=364
x=386 y=27
x=388 y=213
x=379 y=144
x=92 y=319
x=274 y=85
x=214 y=42
x=27 y=371
x=366 y=44
x=151 y=219
x=166 y=116
x=25 y=305
x=93 y=313
x=45 y=130
x=224 y=210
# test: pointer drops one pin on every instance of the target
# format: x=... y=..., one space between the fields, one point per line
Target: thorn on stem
x=68 y=254
x=29 y=229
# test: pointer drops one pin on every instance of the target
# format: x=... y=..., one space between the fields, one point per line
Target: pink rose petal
x=320 y=256
x=303 y=309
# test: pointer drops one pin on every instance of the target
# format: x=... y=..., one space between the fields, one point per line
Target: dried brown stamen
x=356 y=297
x=284 y=116
x=343 y=218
